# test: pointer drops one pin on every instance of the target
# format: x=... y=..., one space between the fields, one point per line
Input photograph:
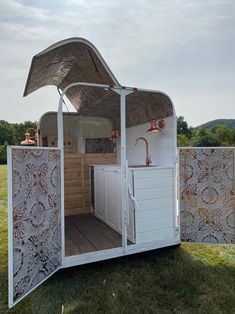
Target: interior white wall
x=81 y=127
x=161 y=145
x=48 y=126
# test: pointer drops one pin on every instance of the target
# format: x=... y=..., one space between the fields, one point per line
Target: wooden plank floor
x=85 y=233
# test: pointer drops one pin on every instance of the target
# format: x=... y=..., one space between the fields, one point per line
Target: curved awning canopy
x=77 y=60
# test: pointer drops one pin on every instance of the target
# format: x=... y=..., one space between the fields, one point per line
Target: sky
x=185 y=48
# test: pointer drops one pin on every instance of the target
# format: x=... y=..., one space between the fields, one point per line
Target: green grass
x=186 y=279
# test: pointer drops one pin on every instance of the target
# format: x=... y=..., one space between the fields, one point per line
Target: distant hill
x=211 y=124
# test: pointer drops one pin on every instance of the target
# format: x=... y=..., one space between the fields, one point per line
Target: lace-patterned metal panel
x=207 y=206
x=35 y=216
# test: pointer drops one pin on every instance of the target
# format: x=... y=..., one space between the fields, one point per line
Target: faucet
x=147 y=160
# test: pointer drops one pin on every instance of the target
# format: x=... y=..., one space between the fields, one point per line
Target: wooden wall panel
x=72 y=184
x=77 y=180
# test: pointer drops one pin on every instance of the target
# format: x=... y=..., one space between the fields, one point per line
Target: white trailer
x=102 y=182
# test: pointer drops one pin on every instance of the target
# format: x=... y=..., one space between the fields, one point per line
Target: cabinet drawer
x=155 y=193
x=153 y=173
x=148 y=183
x=163 y=202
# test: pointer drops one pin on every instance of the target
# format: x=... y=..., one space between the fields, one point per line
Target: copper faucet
x=147 y=160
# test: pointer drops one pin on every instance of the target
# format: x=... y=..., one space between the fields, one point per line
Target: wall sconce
x=161 y=124
x=29 y=139
x=156 y=126
x=115 y=134
x=153 y=127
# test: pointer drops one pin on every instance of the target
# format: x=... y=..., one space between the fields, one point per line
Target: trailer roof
x=77 y=60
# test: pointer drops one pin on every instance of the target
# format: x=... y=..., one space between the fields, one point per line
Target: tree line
x=218 y=135
x=12 y=134
x=221 y=135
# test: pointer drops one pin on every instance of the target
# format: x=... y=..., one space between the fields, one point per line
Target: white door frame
x=123 y=92
x=68 y=261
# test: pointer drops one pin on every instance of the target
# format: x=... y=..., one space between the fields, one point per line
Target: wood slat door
x=34 y=218
x=207 y=202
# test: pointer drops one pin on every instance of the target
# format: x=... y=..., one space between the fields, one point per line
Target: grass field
x=186 y=279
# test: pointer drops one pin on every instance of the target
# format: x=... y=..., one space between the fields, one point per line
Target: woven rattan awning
x=77 y=60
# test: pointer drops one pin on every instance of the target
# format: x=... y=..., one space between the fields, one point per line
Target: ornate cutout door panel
x=207 y=203
x=34 y=218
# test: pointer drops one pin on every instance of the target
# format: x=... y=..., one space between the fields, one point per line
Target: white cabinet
x=113 y=198
x=107 y=192
x=155 y=214
x=152 y=211
x=99 y=193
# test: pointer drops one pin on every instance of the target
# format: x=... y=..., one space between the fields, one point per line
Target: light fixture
x=161 y=124
x=28 y=140
x=115 y=134
x=153 y=128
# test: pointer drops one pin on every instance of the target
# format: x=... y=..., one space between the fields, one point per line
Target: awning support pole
x=123 y=168
x=60 y=127
x=124 y=165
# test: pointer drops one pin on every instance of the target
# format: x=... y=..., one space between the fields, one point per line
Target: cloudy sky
x=185 y=48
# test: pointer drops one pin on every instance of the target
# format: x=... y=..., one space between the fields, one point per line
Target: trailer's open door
x=34 y=218
x=207 y=202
